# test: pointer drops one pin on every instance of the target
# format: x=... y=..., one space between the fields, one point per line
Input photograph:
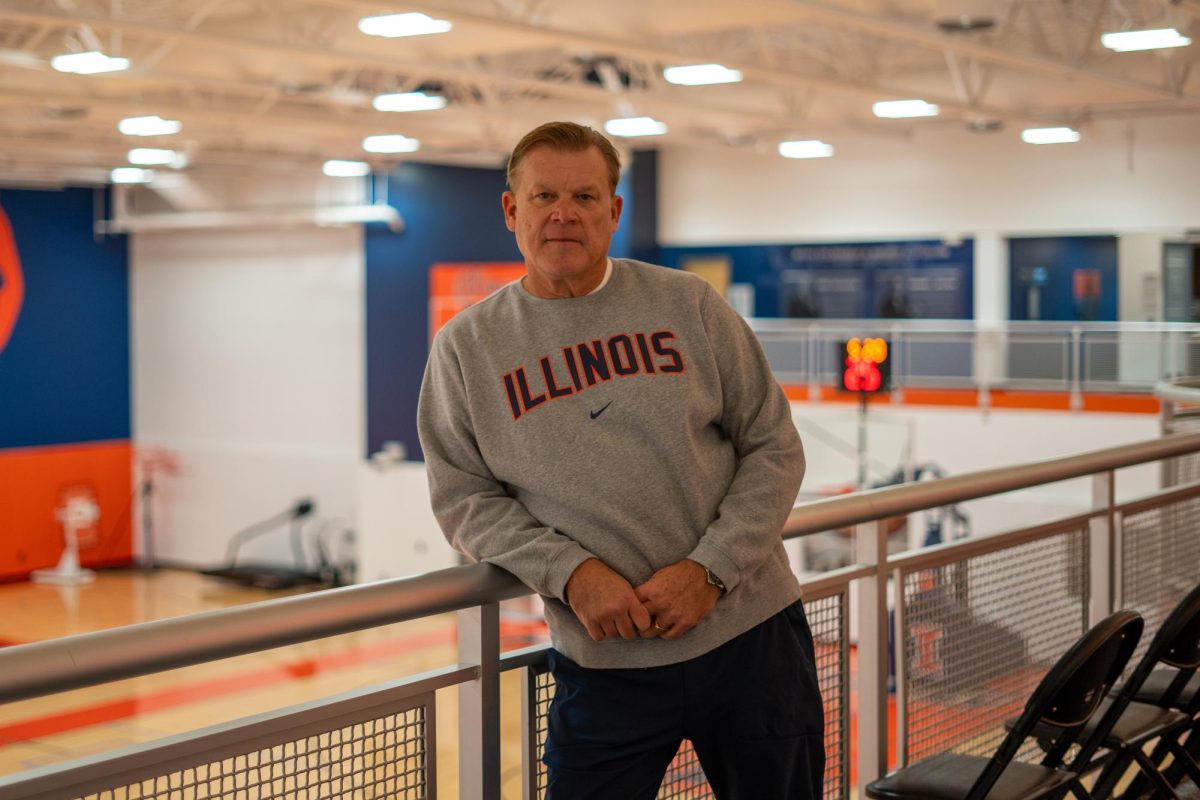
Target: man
x=610 y=432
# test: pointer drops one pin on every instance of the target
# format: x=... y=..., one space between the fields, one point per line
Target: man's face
x=564 y=215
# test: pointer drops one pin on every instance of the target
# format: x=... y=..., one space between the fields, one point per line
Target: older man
x=610 y=432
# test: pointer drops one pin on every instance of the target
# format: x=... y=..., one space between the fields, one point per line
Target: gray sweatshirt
x=639 y=424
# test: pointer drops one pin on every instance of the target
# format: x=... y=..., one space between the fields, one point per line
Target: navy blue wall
x=64 y=376
x=451 y=214
x=1051 y=263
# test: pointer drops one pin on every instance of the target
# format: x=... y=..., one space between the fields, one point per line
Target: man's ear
x=509 y=202
x=617 y=203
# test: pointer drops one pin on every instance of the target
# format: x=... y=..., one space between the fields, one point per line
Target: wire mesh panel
x=1184 y=469
x=827 y=617
x=380 y=758
x=1160 y=561
x=979 y=634
x=365 y=744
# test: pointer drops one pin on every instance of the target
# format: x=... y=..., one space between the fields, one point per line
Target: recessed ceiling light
x=157 y=157
x=904 y=109
x=701 y=75
x=809 y=148
x=411 y=24
x=390 y=143
x=408 y=101
x=1157 y=39
x=149 y=126
x=92 y=62
x=635 y=126
x=346 y=169
x=131 y=175
x=1050 y=135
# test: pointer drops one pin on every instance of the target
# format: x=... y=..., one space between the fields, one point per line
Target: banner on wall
x=12 y=282
x=884 y=280
x=453 y=287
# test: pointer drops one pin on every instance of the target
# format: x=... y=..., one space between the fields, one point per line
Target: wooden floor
x=60 y=727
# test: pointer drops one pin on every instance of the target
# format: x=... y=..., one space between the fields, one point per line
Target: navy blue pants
x=751 y=707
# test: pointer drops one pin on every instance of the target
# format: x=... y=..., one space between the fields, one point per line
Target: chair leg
x=1111 y=775
x=1076 y=788
x=1156 y=777
x=1186 y=761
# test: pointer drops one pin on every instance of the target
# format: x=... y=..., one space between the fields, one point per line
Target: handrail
x=1185 y=391
x=87 y=659
x=892 y=501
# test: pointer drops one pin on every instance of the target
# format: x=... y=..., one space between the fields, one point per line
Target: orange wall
x=33 y=483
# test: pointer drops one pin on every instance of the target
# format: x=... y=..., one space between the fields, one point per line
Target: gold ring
x=658 y=627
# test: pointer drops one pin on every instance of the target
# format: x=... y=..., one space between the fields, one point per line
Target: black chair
x=1160 y=702
x=1063 y=701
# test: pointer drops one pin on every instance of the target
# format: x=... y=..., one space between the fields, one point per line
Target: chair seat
x=1156 y=686
x=949 y=776
x=1140 y=723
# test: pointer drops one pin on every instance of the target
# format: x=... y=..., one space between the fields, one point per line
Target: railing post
x=1076 y=368
x=814 y=362
x=479 y=704
x=871 y=545
x=1101 y=563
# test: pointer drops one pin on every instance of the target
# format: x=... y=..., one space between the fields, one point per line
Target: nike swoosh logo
x=595 y=414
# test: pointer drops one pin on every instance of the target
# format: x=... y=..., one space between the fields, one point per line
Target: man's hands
x=669 y=605
x=605 y=602
x=678 y=596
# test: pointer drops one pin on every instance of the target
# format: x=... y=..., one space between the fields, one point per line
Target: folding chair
x=1063 y=701
x=1156 y=704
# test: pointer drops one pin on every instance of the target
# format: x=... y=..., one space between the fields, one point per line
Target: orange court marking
x=111 y=711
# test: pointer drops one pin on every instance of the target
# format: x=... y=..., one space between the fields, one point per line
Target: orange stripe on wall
x=33 y=483
x=999 y=398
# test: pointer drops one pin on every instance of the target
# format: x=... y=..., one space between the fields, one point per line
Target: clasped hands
x=669 y=605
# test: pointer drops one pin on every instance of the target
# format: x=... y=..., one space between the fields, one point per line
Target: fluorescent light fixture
x=408 y=101
x=157 y=157
x=701 y=75
x=635 y=126
x=904 y=109
x=1157 y=39
x=1049 y=135
x=149 y=126
x=390 y=143
x=346 y=169
x=811 y=148
x=131 y=175
x=90 y=63
x=411 y=24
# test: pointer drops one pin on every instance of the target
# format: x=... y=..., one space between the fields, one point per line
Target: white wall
x=248 y=365
x=1123 y=178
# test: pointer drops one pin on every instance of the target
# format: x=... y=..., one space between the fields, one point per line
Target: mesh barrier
x=1185 y=469
x=827 y=619
x=978 y=636
x=380 y=758
x=1160 y=562
x=685 y=778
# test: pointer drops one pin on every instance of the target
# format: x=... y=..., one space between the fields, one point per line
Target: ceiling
x=265 y=85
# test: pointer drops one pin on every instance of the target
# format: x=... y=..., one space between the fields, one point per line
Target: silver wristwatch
x=713 y=580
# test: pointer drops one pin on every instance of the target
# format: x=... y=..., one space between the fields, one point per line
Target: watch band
x=713 y=580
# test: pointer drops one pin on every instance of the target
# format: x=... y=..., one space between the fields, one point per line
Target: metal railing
x=1064 y=357
x=999 y=608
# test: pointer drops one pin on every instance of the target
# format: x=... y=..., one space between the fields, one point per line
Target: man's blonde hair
x=570 y=137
